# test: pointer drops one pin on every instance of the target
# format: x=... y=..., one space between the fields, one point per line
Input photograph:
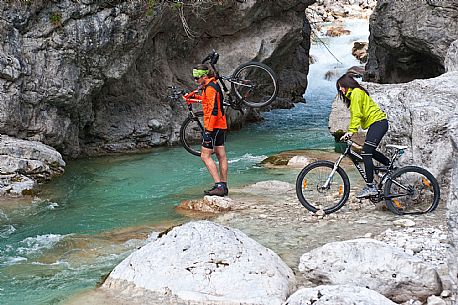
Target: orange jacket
x=211 y=104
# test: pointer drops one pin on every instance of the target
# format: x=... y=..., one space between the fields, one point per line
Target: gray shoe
x=367 y=191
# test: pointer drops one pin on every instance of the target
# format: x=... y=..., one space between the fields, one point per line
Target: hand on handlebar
x=346 y=136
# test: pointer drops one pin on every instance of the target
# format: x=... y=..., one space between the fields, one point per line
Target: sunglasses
x=196 y=78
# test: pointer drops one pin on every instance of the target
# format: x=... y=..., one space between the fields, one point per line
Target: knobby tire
x=312 y=197
x=411 y=190
x=255 y=84
x=191 y=133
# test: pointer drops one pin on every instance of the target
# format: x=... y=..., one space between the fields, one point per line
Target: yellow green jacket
x=363 y=110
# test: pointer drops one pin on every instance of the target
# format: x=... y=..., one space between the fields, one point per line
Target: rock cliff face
x=409 y=39
x=91 y=76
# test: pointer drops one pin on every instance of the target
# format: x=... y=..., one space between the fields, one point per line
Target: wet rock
x=25 y=163
x=337 y=295
x=206 y=263
x=209 y=204
x=359 y=51
x=276 y=160
x=372 y=264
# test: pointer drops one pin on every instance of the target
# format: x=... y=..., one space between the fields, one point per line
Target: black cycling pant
x=373 y=137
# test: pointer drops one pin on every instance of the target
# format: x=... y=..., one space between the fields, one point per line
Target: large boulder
x=90 y=77
x=409 y=39
x=374 y=265
x=23 y=164
x=337 y=295
x=204 y=263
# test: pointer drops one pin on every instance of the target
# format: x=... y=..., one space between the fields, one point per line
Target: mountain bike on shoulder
x=252 y=84
x=324 y=185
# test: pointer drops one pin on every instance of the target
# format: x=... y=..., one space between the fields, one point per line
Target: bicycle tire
x=191 y=133
x=255 y=84
x=423 y=191
x=312 y=197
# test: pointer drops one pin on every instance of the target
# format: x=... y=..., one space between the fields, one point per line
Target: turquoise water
x=59 y=244
x=88 y=220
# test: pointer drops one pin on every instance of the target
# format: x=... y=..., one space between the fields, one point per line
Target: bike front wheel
x=314 y=194
x=255 y=84
x=411 y=190
x=191 y=133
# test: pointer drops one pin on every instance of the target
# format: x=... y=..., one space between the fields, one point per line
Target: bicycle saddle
x=397 y=146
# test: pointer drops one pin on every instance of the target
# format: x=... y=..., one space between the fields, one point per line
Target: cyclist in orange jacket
x=215 y=128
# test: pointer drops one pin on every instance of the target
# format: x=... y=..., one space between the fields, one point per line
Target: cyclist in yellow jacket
x=364 y=113
x=215 y=129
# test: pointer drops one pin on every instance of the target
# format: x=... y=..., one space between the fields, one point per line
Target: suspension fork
x=334 y=169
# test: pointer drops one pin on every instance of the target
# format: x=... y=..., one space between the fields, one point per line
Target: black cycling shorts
x=217 y=138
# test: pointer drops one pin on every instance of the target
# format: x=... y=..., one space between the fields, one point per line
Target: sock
x=222 y=184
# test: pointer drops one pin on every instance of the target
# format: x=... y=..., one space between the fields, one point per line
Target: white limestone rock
x=298 y=161
x=374 y=265
x=205 y=263
x=337 y=295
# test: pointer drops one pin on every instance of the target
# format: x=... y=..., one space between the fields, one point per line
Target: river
x=85 y=222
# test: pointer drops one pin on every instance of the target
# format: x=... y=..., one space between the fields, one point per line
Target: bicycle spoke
x=255 y=84
x=316 y=190
x=412 y=191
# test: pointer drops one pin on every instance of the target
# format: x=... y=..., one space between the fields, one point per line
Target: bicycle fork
x=334 y=169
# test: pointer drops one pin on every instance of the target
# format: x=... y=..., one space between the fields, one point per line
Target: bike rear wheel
x=191 y=133
x=411 y=190
x=311 y=193
x=255 y=84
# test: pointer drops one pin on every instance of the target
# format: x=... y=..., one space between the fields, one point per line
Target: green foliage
x=150 y=4
x=55 y=18
x=177 y=5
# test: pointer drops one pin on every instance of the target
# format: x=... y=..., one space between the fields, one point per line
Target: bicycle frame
x=357 y=160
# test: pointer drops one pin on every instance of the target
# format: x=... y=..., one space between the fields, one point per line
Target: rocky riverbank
x=269 y=213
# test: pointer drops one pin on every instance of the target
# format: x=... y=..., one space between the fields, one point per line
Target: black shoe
x=216 y=191
x=226 y=191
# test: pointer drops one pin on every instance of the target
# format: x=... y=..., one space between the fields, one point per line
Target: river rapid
x=82 y=224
